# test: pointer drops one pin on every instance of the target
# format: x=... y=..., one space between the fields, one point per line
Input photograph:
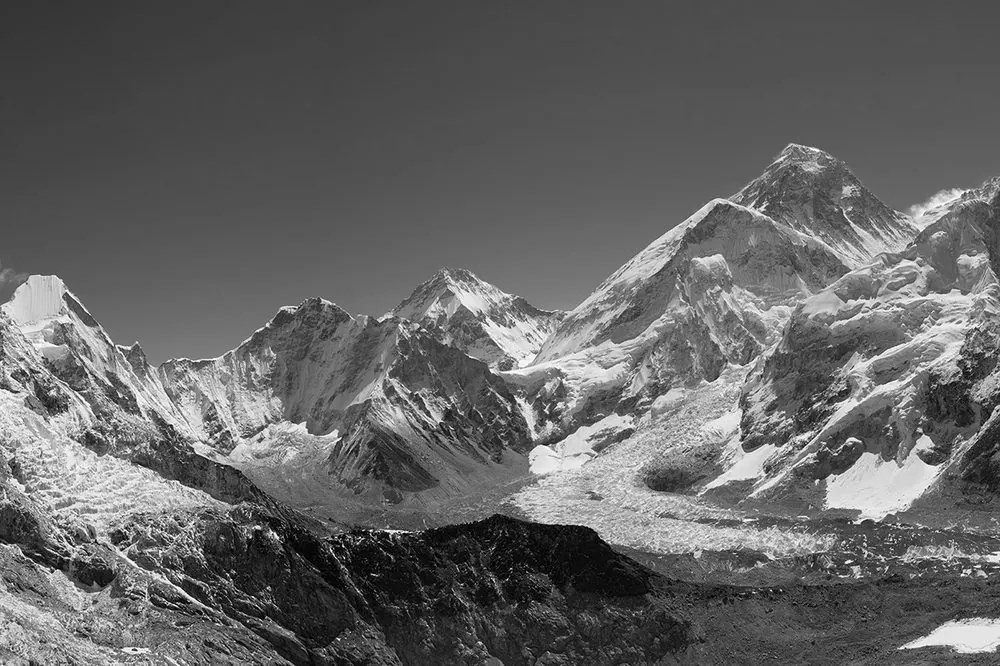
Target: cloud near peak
x=916 y=211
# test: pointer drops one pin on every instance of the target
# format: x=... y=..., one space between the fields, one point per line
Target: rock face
x=386 y=410
x=461 y=594
x=463 y=311
x=886 y=376
x=816 y=194
x=98 y=382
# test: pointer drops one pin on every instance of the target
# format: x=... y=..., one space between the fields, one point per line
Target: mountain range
x=798 y=347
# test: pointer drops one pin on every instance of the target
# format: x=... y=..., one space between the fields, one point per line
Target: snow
x=723 y=426
x=529 y=415
x=927 y=212
x=669 y=400
x=744 y=465
x=824 y=303
x=576 y=449
x=51 y=352
x=610 y=495
x=509 y=328
x=877 y=488
x=609 y=300
x=968 y=636
x=282 y=444
x=37 y=300
x=74 y=483
x=875 y=228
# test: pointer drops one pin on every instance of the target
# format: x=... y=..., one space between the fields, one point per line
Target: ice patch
x=969 y=636
x=38 y=299
x=723 y=426
x=877 y=488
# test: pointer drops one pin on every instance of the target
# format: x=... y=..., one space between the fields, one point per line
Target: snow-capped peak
x=38 y=300
x=805 y=156
x=816 y=194
x=448 y=290
x=643 y=289
x=469 y=313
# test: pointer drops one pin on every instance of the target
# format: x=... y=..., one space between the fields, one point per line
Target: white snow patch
x=969 y=636
x=669 y=400
x=877 y=488
x=825 y=302
x=745 y=466
x=577 y=448
x=724 y=425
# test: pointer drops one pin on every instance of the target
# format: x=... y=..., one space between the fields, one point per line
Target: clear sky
x=188 y=168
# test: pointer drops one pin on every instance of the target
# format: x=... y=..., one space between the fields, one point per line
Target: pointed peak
x=309 y=308
x=450 y=289
x=317 y=304
x=38 y=298
x=802 y=149
x=806 y=158
x=446 y=274
x=135 y=355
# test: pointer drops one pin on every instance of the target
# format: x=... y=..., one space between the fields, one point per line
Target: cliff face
x=888 y=370
x=500 y=589
x=816 y=194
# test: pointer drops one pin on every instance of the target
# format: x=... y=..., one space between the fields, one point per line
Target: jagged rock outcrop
x=498 y=589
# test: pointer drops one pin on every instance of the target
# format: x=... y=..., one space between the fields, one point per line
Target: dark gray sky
x=190 y=167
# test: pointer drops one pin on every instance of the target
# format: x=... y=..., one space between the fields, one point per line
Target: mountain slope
x=816 y=194
x=764 y=257
x=887 y=379
x=486 y=323
x=713 y=291
x=79 y=352
x=318 y=406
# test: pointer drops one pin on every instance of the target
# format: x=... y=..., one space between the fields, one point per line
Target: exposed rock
x=816 y=194
x=486 y=323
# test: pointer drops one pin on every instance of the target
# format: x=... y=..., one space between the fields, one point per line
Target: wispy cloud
x=916 y=211
x=10 y=280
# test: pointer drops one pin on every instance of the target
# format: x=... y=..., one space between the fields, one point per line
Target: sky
x=188 y=168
